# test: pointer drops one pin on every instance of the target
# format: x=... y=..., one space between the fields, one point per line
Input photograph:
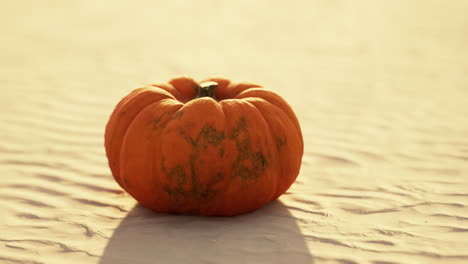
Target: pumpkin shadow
x=268 y=235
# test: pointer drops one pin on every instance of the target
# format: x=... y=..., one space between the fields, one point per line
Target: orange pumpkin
x=215 y=148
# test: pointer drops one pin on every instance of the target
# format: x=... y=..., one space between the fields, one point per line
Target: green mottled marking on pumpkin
x=156 y=124
x=163 y=167
x=178 y=173
x=186 y=137
x=259 y=161
x=241 y=126
x=177 y=115
x=210 y=136
x=156 y=121
x=202 y=193
x=280 y=142
x=249 y=165
x=177 y=194
x=221 y=152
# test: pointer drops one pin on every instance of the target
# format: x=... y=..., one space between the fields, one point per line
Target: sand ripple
x=379 y=88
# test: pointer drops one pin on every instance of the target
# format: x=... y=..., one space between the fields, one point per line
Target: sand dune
x=380 y=89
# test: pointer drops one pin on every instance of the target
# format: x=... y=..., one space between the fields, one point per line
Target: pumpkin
x=215 y=148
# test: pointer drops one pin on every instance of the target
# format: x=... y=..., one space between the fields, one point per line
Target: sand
x=380 y=89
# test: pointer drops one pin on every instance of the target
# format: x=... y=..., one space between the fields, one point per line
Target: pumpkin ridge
x=269 y=96
x=297 y=134
x=112 y=123
x=289 y=115
x=272 y=135
x=110 y=138
x=177 y=114
x=186 y=86
x=168 y=88
x=136 y=118
x=236 y=96
x=239 y=88
x=279 y=141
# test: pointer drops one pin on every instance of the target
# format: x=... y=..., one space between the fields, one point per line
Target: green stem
x=207 y=89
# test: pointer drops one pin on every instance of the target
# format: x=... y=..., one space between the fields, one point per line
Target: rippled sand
x=380 y=88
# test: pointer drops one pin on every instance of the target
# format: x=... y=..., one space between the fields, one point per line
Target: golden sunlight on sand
x=380 y=89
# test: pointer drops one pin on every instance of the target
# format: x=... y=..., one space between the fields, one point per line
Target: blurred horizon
x=379 y=88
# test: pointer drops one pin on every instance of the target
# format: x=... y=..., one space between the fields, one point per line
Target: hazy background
x=380 y=89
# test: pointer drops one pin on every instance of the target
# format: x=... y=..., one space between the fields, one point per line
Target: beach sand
x=380 y=89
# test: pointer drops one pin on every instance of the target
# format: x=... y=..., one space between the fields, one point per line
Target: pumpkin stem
x=207 y=89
